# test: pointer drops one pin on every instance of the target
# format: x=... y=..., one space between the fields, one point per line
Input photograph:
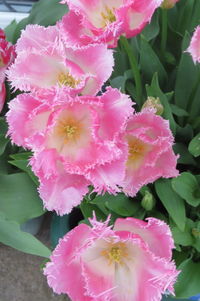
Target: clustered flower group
x=79 y=135
x=85 y=135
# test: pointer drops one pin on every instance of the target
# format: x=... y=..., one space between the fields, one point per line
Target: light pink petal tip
x=194 y=48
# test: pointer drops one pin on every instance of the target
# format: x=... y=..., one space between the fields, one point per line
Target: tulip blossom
x=44 y=64
x=150 y=151
x=130 y=262
x=104 y=21
x=7 y=54
x=76 y=136
x=194 y=48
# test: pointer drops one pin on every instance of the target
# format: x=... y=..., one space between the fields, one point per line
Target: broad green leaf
x=185 y=157
x=119 y=204
x=196 y=235
x=188 y=282
x=19 y=199
x=3 y=140
x=184 y=134
x=185 y=237
x=150 y=63
x=194 y=146
x=89 y=209
x=21 y=160
x=186 y=185
x=178 y=111
x=10 y=31
x=173 y=203
x=155 y=91
x=152 y=29
x=11 y=235
x=184 y=83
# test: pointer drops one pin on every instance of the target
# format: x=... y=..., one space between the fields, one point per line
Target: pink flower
x=104 y=21
x=194 y=48
x=76 y=136
x=44 y=64
x=7 y=55
x=126 y=263
x=150 y=151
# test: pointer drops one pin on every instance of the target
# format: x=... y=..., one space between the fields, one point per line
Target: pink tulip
x=131 y=262
x=194 y=48
x=78 y=138
x=44 y=64
x=104 y=21
x=150 y=151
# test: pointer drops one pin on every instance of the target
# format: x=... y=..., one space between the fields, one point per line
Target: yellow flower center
x=66 y=79
x=115 y=253
x=137 y=151
x=108 y=16
x=69 y=129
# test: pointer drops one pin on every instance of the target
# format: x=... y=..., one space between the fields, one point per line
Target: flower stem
x=164 y=31
x=134 y=68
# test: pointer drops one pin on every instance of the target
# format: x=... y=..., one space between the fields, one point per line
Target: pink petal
x=194 y=48
x=155 y=233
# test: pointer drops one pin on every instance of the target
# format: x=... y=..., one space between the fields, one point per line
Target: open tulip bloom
x=131 y=262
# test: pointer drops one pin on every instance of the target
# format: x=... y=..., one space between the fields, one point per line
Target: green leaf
x=88 y=209
x=152 y=29
x=194 y=146
x=11 y=235
x=186 y=185
x=178 y=111
x=183 y=238
x=21 y=160
x=150 y=63
x=173 y=203
x=188 y=282
x=155 y=91
x=184 y=83
x=19 y=199
x=3 y=130
x=185 y=156
x=119 y=204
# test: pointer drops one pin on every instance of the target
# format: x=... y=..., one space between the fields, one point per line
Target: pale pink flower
x=194 y=48
x=150 y=151
x=45 y=64
x=104 y=21
x=78 y=136
x=167 y=4
x=101 y=264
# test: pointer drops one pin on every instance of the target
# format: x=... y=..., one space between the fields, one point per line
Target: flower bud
x=148 y=201
x=167 y=4
x=153 y=103
x=196 y=233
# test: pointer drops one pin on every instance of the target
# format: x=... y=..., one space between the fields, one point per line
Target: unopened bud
x=153 y=103
x=148 y=201
x=167 y=4
x=196 y=233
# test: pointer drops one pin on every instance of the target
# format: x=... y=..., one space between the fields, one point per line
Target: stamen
x=66 y=79
x=108 y=16
x=115 y=253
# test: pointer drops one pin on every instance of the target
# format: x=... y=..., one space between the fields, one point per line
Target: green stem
x=164 y=31
x=134 y=68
